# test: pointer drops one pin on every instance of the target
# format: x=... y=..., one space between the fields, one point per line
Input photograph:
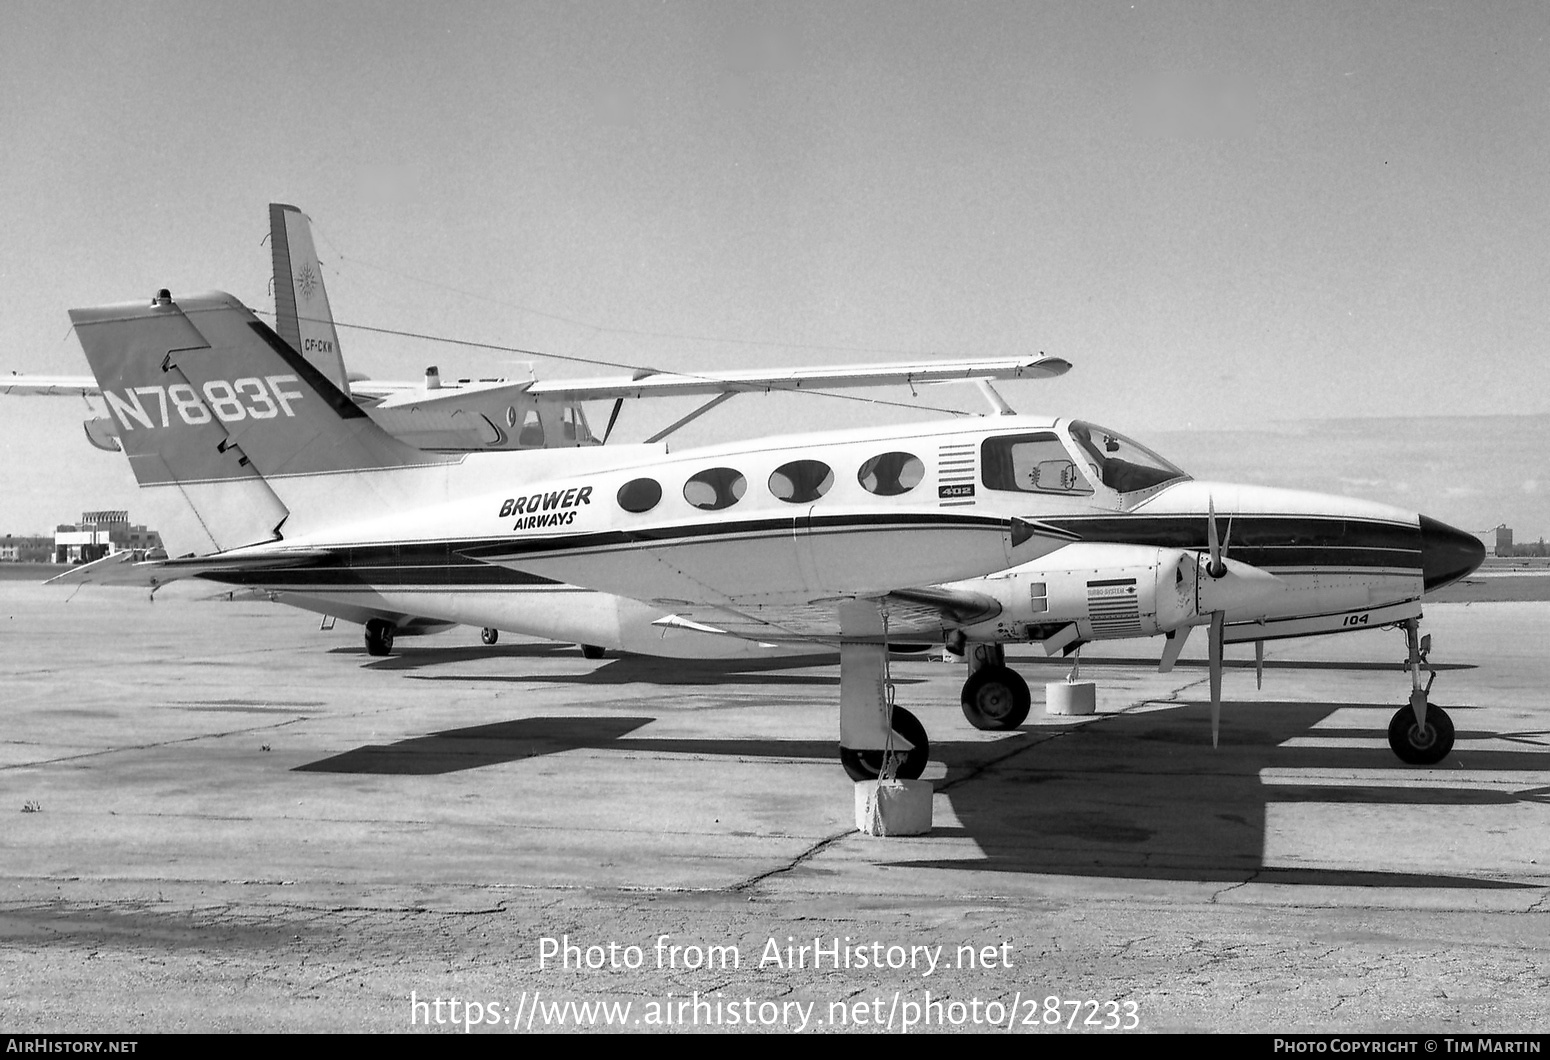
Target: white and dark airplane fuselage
x=1003 y=527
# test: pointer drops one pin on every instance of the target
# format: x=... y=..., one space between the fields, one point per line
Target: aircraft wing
x=647 y=383
x=48 y=385
x=906 y=614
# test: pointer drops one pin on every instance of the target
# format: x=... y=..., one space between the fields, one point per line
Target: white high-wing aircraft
x=784 y=541
x=493 y=414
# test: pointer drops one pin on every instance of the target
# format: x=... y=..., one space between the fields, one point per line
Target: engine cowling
x=1111 y=592
x=1107 y=591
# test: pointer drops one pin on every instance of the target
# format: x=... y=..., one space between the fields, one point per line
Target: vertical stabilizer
x=204 y=496
x=210 y=401
x=302 y=314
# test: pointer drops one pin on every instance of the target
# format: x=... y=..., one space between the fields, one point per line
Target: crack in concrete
x=152 y=745
x=806 y=855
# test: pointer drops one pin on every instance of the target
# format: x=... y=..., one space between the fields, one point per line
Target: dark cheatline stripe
x=1265 y=540
x=419 y=564
x=455 y=563
x=517 y=546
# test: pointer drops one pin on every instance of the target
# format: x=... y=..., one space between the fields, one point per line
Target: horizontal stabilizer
x=48 y=385
x=130 y=567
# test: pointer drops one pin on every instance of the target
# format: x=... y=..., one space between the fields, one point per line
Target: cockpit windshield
x=1121 y=464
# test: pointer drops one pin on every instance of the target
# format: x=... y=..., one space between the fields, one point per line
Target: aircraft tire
x=865 y=765
x=1421 y=747
x=489 y=635
x=379 y=637
x=996 y=698
x=591 y=651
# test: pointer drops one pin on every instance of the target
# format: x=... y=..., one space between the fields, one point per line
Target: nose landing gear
x=1421 y=734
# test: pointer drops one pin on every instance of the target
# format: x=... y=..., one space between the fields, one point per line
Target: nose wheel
x=1424 y=744
x=1421 y=734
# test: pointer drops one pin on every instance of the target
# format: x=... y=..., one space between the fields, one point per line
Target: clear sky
x=1225 y=214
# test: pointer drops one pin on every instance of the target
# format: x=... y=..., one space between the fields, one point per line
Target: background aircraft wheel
x=379 y=637
x=865 y=765
x=1421 y=747
x=591 y=651
x=996 y=698
x=489 y=636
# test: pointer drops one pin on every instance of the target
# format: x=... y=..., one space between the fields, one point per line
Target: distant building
x=1504 y=540
x=26 y=549
x=100 y=534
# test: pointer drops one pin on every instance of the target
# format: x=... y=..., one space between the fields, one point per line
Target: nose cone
x=1447 y=554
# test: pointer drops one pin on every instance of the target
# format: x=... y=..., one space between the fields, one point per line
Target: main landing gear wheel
x=866 y=765
x=1421 y=746
x=489 y=636
x=592 y=651
x=996 y=698
x=379 y=637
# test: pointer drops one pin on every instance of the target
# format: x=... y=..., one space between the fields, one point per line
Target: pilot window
x=573 y=423
x=640 y=495
x=1123 y=465
x=891 y=474
x=801 y=481
x=1030 y=463
x=715 y=488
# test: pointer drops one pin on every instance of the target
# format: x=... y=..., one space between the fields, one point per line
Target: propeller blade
x=1259 y=664
x=1212 y=543
x=1171 y=648
x=1218 y=634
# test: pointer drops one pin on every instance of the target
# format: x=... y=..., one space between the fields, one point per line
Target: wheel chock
x=1070 y=697
x=894 y=807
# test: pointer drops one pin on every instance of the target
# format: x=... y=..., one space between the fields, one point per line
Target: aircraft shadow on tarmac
x=1132 y=796
x=633 y=669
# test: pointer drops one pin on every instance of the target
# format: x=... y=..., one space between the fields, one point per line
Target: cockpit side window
x=1030 y=463
x=532 y=436
x=1123 y=465
x=574 y=425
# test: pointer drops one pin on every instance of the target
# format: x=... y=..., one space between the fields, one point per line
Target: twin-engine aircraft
x=859 y=538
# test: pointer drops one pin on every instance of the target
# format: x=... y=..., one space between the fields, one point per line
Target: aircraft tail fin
x=303 y=317
x=212 y=403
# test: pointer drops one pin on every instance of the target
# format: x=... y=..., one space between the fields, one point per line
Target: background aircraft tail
x=303 y=317
x=216 y=410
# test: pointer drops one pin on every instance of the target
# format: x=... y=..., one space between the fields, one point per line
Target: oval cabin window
x=801 y=481
x=716 y=488
x=891 y=474
x=640 y=495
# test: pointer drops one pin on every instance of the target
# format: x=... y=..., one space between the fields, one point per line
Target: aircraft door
x=804 y=483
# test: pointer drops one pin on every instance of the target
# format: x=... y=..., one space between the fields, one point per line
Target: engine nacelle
x=1108 y=591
